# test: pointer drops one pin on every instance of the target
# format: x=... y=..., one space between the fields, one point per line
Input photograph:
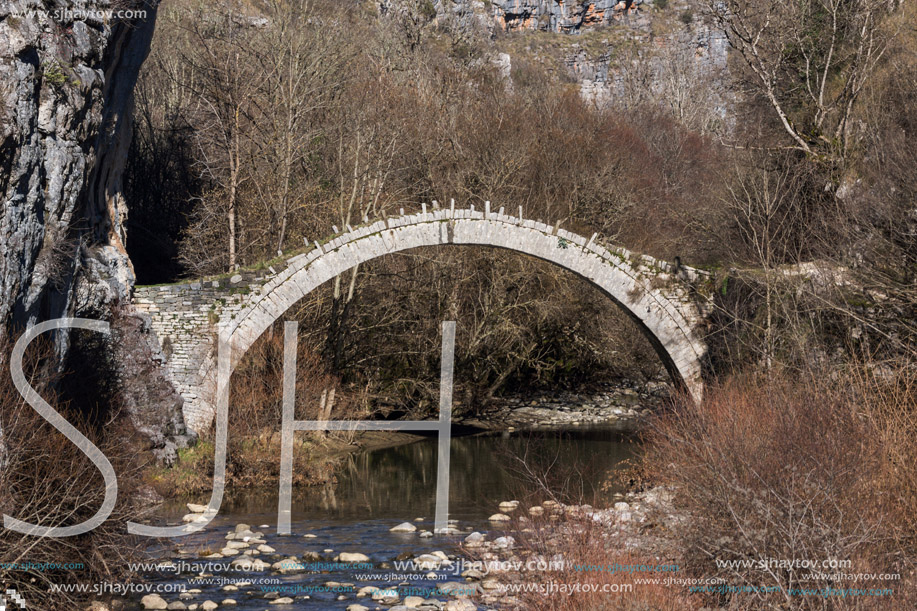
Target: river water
x=379 y=489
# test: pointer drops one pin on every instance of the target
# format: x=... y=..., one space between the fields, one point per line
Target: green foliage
x=53 y=73
x=426 y=9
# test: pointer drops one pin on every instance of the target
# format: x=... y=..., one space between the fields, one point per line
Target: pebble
x=404 y=527
x=153 y=601
x=367 y=591
x=386 y=596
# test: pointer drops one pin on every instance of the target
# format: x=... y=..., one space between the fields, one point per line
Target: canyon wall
x=67 y=74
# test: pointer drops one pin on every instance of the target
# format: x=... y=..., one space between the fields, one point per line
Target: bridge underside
x=668 y=306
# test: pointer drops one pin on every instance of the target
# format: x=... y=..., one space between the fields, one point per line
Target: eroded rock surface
x=67 y=73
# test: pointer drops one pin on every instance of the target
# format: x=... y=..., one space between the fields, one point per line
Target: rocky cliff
x=65 y=99
x=564 y=17
x=67 y=73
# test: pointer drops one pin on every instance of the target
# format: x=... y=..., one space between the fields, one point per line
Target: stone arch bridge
x=669 y=304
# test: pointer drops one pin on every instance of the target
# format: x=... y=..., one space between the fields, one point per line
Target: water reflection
x=400 y=483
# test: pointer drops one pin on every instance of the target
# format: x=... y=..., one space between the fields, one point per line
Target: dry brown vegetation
x=47 y=480
x=808 y=468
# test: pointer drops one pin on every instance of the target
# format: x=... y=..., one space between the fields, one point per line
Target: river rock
x=287 y=566
x=412 y=602
x=508 y=506
x=459 y=605
x=351 y=557
x=209 y=605
x=286 y=600
x=153 y=601
x=176 y=605
x=387 y=596
x=266 y=549
x=499 y=517
x=229 y=602
x=242 y=528
x=504 y=542
x=249 y=564
x=404 y=527
x=195 y=518
x=194 y=508
x=356 y=607
x=454 y=588
x=537 y=510
x=367 y=591
x=433 y=559
x=475 y=539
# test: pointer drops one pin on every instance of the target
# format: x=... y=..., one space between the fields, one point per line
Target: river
x=375 y=491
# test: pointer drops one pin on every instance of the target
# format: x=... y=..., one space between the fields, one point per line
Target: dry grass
x=48 y=481
x=795 y=469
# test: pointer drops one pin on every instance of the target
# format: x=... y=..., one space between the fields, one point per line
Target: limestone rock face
x=555 y=16
x=67 y=73
x=66 y=84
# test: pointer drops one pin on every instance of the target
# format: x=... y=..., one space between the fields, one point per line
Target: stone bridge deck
x=670 y=306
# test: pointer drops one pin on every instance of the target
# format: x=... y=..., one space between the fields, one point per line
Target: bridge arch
x=665 y=302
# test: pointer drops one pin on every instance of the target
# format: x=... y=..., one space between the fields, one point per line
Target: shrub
x=47 y=480
x=785 y=469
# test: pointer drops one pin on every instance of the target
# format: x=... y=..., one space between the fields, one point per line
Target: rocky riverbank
x=551 y=542
x=621 y=405
x=250 y=567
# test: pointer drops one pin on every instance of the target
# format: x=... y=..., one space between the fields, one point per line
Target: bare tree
x=809 y=60
x=224 y=87
x=305 y=67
